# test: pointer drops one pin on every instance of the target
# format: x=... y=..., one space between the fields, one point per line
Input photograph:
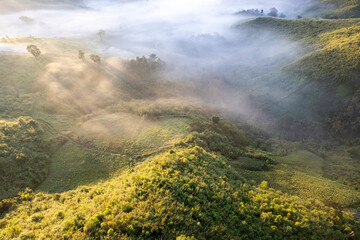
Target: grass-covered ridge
x=300 y=28
x=324 y=79
x=334 y=8
x=23 y=156
x=184 y=192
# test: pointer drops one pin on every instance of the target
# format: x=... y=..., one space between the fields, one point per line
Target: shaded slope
x=317 y=86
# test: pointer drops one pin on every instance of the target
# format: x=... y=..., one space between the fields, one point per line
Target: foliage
x=273 y=12
x=81 y=55
x=34 y=50
x=26 y=19
x=101 y=34
x=23 y=156
x=309 y=176
x=215 y=119
x=95 y=58
x=188 y=192
x=251 y=12
x=145 y=68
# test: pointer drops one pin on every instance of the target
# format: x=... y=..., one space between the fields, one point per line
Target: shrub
x=95 y=58
x=34 y=50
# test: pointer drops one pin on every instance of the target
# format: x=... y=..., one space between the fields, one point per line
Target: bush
x=95 y=58
x=34 y=50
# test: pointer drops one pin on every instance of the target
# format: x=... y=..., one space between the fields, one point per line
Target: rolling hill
x=96 y=147
x=323 y=83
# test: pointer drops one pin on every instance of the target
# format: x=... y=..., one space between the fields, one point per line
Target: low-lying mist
x=197 y=41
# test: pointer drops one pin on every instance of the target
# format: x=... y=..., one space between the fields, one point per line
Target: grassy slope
x=114 y=207
x=305 y=174
x=75 y=164
x=325 y=79
x=323 y=83
x=84 y=147
x=23 y=156
x=334 y=8
x=187 y=192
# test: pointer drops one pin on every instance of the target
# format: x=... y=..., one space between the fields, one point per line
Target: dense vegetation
x=186 y=192
x=23 y=156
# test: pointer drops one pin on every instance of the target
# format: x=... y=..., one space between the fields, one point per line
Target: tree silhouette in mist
x=34 y=50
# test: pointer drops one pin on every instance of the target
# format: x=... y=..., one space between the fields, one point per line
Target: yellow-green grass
x=303 y=173
x=23 y=156
x=23 y=87
x=335 y=8
x=299 y=29
x=316 y=86
x=74 y=101
x=333 y=58
x=87 y=158
x=185 y=192
x=72 y=166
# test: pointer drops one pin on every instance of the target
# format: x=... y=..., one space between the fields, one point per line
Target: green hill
x=323 y=83
x=184 y=193
x=334 y=8
x=111 y=150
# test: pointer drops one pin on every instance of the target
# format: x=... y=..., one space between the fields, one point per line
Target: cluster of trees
x=93 y=57
x=251 y=12
x=258 y=13
x=26 y=19
x=145 y=68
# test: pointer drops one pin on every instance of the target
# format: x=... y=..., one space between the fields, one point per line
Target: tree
x=26 y=19
x=273 y=12
x=101 y=34
x=81 y=55
x=215 y=119
x=145 y=67
x=34 y=50
x=95 y=58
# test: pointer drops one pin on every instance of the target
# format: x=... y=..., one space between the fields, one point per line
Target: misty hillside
x=325 y=79
x=179 y=119
x=334 y=9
